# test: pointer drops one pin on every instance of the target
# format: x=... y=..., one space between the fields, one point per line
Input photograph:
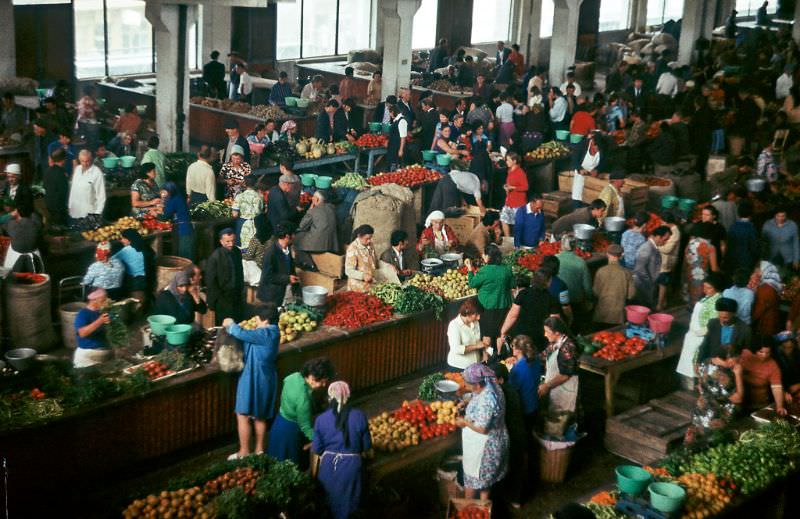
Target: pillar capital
x=398 y=20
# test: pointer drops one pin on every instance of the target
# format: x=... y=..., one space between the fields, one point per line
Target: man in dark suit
x=502 y=54
x=381 y=113
x=331 y=123
x=398 y=254
x=225 y=279
x=279 y=210
x=214 y=76
x=235 y=138
x=404 y=103
x=637 y=95
x=56 y=185
x=278 y=270
x=427 y=121
x=438 y=58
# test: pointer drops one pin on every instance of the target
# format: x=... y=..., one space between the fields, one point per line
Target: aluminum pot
x=756 y=185
x=614 y=223
x=583 y=231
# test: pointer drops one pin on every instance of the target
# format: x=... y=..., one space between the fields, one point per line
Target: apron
x=338 y=456
x=197 y=198
x=473 y=444
x=563 y=398
x=577 y=186
x=691 y=343
x=85 y=357
x=12 y=256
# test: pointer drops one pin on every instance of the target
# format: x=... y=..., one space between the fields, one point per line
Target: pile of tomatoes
x=410 y=176
x=371 y=140
x=615 y=346
x=470 y=512
x=424 y=418
x=156 y=369
x=152 y=224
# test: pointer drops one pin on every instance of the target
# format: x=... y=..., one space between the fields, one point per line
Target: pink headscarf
x=340 y=392
x=288 y=125
x=97 y=294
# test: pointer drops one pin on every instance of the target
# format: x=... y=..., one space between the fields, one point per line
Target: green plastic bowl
x=632 y=480
x=443 y=159
x=686 y=204
x=127 y=161
x=429 y=155
x=375 y=127
x=562 y=135
x=308 y=179
x=290 y=101
x=158 y=323
x=669 y=201
x=110 y=162
x=386 y=127
x=323 y=182
x=575 y=138
x=178 y=334
x=666 y=497
x=303 y=103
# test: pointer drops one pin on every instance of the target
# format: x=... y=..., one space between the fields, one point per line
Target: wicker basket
x=553 y=464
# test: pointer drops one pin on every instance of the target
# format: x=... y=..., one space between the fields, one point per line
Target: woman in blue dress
x=258 y=384
x=341 y=436
x=176 y=210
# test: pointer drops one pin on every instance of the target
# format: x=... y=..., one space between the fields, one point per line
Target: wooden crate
x=329 y=264
x=319 y=279
x=457 y=504
x=557 y=203
x=649 y=432
x=565 y=181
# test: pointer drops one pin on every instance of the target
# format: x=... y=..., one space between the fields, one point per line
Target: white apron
x=563 y=398
x=252 y=273
x=577 y=186
x=12 y=256
x=473 y=444
x=691 y=343
x=85 y=357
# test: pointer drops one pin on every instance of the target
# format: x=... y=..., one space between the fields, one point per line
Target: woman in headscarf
x=704 y=310
x=361 y=263
x=107 y=273
x=560 y=384
x=766 y=315
x=437 y=238
x=257 y=390
x=176 y=300
x=139 y=261
x=234 y=172
x=288 y=129
x=176 y=210
x=246 y=206
x=484 y=437
x=341 y=436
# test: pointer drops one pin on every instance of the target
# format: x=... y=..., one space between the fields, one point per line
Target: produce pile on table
x=524 y=262
x=351 y=180
x=470 y=512
x=114 y=231
x=262 y=111
x=279 y=151
x=547 y=151
x=210 y=210
x=654 y=223
x=412 y=423
x=348 y=309
x=372 y=140
x=451 y=285
x=256 y=486
x=389 y=293
x=151 y=223
x=290 y=323
x=611 y=346
x=410 y=176
x=311 y=149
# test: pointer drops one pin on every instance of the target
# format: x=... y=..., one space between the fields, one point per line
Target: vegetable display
x=427 y=389
x=351 y=180
x=348 y=309
x=291 y=324
x=210 y=211
x=114 y=231
x=413 y=299
x=371 y=140
x=189 y=502
x=471 y=512
x=706 y=495
x=150 y=223
x=410 y=176
x=551 y=150
x=389 y=293
x=411 y=423
x=451 y=285
x=615 y=346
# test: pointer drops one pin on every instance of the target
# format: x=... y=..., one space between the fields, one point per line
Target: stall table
x=326 y=161
x=372 y=154
x=206 y=124
x=613 y=370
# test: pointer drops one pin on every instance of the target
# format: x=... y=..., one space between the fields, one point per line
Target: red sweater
x=519 y=181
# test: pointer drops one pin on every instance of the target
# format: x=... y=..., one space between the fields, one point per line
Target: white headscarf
x=435 y=215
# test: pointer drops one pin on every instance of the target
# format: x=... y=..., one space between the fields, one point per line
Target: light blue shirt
x=132 y=259
x=631 y=241
x=744 y=297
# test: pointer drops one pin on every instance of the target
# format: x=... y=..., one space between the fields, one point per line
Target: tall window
x=613 y=15
x=660 y=11
x=546 y=24
x=423 y=35
x=309 y=28
x=749 y=7
x=490 y=20
x=130 y=38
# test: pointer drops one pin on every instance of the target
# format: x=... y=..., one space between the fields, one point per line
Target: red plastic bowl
x=636 y=314
x=660 y=323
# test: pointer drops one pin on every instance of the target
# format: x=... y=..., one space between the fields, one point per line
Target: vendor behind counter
x=90 y=327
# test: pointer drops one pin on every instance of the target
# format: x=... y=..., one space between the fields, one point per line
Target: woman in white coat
x=703 y=311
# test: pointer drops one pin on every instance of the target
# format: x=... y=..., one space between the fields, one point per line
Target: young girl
x=516 y=188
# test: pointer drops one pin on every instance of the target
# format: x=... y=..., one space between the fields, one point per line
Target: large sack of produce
x=387 y=208
x=27 y=311
x=365 y=66
x=637 y=45
x=364 y=55
x=665 y=39
x=21 y=86
x=477 y=54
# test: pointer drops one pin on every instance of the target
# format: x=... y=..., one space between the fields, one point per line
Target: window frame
x=508 y=28
x=339 y=4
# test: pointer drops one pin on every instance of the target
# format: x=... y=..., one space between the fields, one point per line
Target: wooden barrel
x=167 y=267
x=27 y=311
x=67 y=312
x=655 y=192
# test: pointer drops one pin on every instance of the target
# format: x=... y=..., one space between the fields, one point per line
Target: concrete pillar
x=398 y=18
x=709 y=17
x=723 y=10
x=565 y=38
x=172 y=101
x=216 y=30
x=638 y=16
x=8 y=51
x=525 y=28
x=691 y=29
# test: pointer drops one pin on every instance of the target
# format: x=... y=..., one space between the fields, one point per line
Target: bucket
x=308 y=179
x=432 y=266
x=575 y=138
x=167 y=267
x=451 y=260
x=290 y=101
x=660 y=323
x=443 y=159
x=686 y=204
x=323 y=182
x=553 y=464
x=632 y=480
x=110 y=162
x=67 y=312
x=668 y=202
x=636 y=314
x=159 y=323
x=614 y=223
x=375 y=127
x=562 y=135
x=28 y=315
x=127 y=161
x=666 y=497
x=429 y=155
x=386 y=127
x=178 y=334
x=303 y=103
x=314 y=295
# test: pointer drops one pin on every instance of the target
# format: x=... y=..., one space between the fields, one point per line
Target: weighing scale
x=640 y=508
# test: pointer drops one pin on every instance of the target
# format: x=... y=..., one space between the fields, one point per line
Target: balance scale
x=640 y=508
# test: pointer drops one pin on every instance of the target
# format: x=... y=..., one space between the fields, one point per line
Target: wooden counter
x=206 y=124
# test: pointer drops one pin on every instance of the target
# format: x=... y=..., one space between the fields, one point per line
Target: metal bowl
x=21 y=358
x=446 y=386
x=583 y=231
x=756 y=185
x=614 y=223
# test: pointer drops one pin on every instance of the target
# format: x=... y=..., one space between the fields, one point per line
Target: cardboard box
x=319 y=279
x=463 y=226
x=329 y=264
